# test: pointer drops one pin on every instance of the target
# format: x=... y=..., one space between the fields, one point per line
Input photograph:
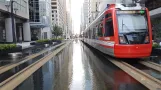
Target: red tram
x=121 y=31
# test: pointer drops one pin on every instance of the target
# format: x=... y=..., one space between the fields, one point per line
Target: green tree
x=57 y=31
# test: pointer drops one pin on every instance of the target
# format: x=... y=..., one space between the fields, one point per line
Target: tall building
x=59 y=13
x=20 y=28
x=40 y=19
x=69 y=20
x=90 y=11
x=85 y=15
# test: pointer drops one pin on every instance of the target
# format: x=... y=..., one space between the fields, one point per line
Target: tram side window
x=94 y=33
x=109 y=28
x=100 y=30
x=86 y=34
x=108 y=15
x=89 y=34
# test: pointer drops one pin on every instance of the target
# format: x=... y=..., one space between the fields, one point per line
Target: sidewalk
x=25 y=45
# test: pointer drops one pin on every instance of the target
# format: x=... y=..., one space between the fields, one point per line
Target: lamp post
x=15 y=9
x=13 y=23
x=12 y=19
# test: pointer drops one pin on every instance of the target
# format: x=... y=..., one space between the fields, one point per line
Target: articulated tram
x=121 y=31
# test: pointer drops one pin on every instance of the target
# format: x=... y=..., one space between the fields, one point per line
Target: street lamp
x=15 y=9
x=12 y=19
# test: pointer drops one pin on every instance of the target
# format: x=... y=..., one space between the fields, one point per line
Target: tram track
x=152 y=65
x=145 y=79
x=142 y=77
x=16 y=79
x=12 y=65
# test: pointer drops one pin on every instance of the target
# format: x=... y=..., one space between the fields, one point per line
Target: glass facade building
x=34 y=11
x=40 y=18
x=20 y=5
x=21 y=24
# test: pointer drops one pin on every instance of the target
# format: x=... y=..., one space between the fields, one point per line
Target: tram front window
x=132 y=23
x=133 y=27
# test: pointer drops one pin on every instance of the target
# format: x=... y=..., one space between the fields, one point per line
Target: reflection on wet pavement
x=156 y=59
x=7 y=59
x=79 y=79
x=79 y=68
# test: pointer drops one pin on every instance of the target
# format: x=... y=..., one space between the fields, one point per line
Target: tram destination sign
x=131 y=12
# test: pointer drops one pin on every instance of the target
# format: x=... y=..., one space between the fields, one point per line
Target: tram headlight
x=122 y=40
x=147 y=39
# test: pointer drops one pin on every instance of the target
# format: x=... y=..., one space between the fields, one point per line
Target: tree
x=57 y=31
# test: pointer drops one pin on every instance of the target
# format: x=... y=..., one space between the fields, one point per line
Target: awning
x=38 y=25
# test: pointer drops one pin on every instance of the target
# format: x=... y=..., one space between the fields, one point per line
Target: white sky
x=76 y=14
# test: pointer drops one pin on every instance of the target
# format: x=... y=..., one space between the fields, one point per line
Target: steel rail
x=10 y=66
x=152 y=65
x=145 y=79
x=18 y=78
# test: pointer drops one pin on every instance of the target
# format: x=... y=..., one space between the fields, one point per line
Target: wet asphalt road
x=78 y=67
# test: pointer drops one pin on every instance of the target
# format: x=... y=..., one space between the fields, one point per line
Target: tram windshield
x=132 y=21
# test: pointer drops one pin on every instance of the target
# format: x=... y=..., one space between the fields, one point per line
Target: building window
x=53 y=3
x=54 y=7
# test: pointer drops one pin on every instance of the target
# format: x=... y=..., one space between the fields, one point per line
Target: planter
x=42 y=43
x=50 y=42
x=15 y=55
x=156 y=51
x=18 y=48
x=32 y=43
x=46 y=45
x=58 y=41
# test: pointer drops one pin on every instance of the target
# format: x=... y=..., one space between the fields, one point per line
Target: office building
x=69 y=31
x=59 y=14
x=20 y=31
x=40 y=19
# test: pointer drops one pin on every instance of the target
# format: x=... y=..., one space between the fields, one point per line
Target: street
x=79 y=68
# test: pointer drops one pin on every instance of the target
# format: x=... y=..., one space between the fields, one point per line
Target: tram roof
x=109 y=6
x=98 y=18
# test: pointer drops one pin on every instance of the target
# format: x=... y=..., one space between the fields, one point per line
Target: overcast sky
x=76 y=14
